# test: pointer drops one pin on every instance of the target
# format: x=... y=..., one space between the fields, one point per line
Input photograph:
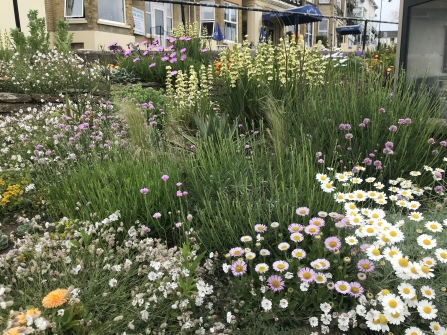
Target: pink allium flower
x=443 y=143
x=173 y=54
x=144 y=191
x=185 y=192
x=156 y=215
x=302 y=211
x=173 y=73
x=307 y=275
x=318 y=154
x=173 y=60
x=332 y=243
x=320 y=161
x=152 y=64
x=365 y=265
x=382 y=111
x=165 y=177
x=238 y=268
x=431 y=141
x=164 y=59
x=393 y=129
x=275 y=283
x=349 y=136
x=342 y=287
x=204 y=50
x=179 y=193
x=178 y=224
x=179 y=184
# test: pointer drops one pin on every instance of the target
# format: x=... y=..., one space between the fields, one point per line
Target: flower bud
x=118 y=318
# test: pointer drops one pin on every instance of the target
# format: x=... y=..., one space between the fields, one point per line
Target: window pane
x=168 y=26
x=233 y=15
x=74 y=8
x=111 y=10
x=169 y=9
x=148 y=6
x=207 y=13
x=208 y=27
x=148 y=24
x=159 y=22
x=230 y=31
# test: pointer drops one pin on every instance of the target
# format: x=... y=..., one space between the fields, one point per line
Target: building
x=97 y=23
x=366 y=9
x=388 y=37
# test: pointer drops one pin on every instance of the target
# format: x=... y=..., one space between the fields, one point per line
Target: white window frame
x=324 y=1
x=118 y=22
x=207 y=20
x=325 y=32
x=310 y=34
x=168 y=7
x=146 y=14
x=231 y=22
x=73 y=16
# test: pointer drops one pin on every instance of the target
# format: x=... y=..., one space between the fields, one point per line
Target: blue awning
x=303 y=14
x=349 y=30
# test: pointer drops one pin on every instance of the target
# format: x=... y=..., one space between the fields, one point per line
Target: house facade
x=366 y=9
x=95 y=24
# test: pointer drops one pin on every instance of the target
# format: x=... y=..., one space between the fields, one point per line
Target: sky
x=388 y=9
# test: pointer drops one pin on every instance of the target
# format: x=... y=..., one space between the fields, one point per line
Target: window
x=230 y=20
x=339 y=4
x=74 y=8
x=323 y=27
x=111 y=10
x=325 y=1
x=309 y=34
x=207 y=19
x=168 y=7
x=148 y=19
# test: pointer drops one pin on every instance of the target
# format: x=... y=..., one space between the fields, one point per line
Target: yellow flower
x=31 y=312
x=55 y=298
x=21 y=319
x=14 y=331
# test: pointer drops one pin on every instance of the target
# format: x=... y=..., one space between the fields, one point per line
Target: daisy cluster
x=384 y=242
x=297 y=264
x=140 y=274
x=48 y=72
x=50 y=135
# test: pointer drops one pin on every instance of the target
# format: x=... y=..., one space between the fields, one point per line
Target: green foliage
x=3 y=241
x=63 y=37
x=140 y=95
x=38 y=39
x=323 y=39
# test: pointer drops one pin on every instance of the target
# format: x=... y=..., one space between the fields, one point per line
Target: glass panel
x=148 y=6
x=233 y=15
x=322 y=26
x=74 y=8
x=230 y=31
x=208 y=27
x=206 y=13
x=111 y=10
x=148 y=24
x=168 y=26
x=159 y=22
x=168 y=9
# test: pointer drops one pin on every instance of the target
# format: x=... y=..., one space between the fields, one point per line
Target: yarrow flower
x=55 y=298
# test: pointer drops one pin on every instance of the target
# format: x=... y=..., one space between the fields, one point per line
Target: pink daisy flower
x=307 y=275
x=275 y=283
x=302 y=211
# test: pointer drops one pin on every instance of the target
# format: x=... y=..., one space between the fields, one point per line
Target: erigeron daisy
x=365 y=265
x=322 y=178
x=379 y=185
x=307 y=275
x=356 y=180
x=327 y=187
x=322 y=214
x=334 y=215
x=392 y=303
x=246 y=239
x=284 y=246
x=426 y=241
x=238 y=268
x=428 y=292
x=441 y=255
x=356 y=290
x=427 y=310
x=261 y=268
x=295 y=228
x=302 y=211
x=342 y=287
x=416 y=216
x=320 y=278
x=406 y=290
x=332 y=243
x=312 y=230
x=236 y=252
x=319 y=222
x=370 y=180
x=433 y=226
x=351 y=240
x=264 y=252
x=298 y=253
x=296 y=237
x=280 y=266
x=250 y=255
x=260 y=228
x=275 y=283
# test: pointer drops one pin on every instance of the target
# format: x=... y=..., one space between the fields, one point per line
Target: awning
x=304 y=14
x=349 y=30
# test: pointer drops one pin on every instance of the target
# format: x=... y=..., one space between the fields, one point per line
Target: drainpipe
x=16 y=13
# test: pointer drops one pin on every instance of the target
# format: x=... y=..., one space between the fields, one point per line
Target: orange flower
x=217 y=65
x=55 y=298
x=21 y=319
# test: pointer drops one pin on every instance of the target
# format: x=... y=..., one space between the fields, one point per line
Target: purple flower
x=172 y=39
x=182 y=38
x=178 y=224
x=438 y=175
x=179 y=193
x=365 y=265
x=362 y=125
x=434 y=152
x=135 y=60
x=173 y=73
x=388 y=151
x=145 y=53
x=389 y=145
x=238 y=268
x=307 y=275
x=408 y=121
x=185 y=193
x=382 y=111
x=183 y=50
x=25 y=139
x=152 y=65
x=439 y=189
x=332 y=243
x=173 y=54
x=48 y=152
x=156 y=215
x=165 y=177
x=366 y=121
x=356 y=290
x=172 y=60
x=179 y=184
x=342 y=287
x=431 y=141
x=443 y=143
x=183 y=58
x=367 y=161
x=401 y=121
x=302 y=211
x=320 y=161
x=312 y=230
x=204 y=50
x=318 y=154
x=164 y=59
x=295 y=228
x=144 y=191
x=349 y=136
x=275 y=283
x=377 y=163
x=393 y=129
